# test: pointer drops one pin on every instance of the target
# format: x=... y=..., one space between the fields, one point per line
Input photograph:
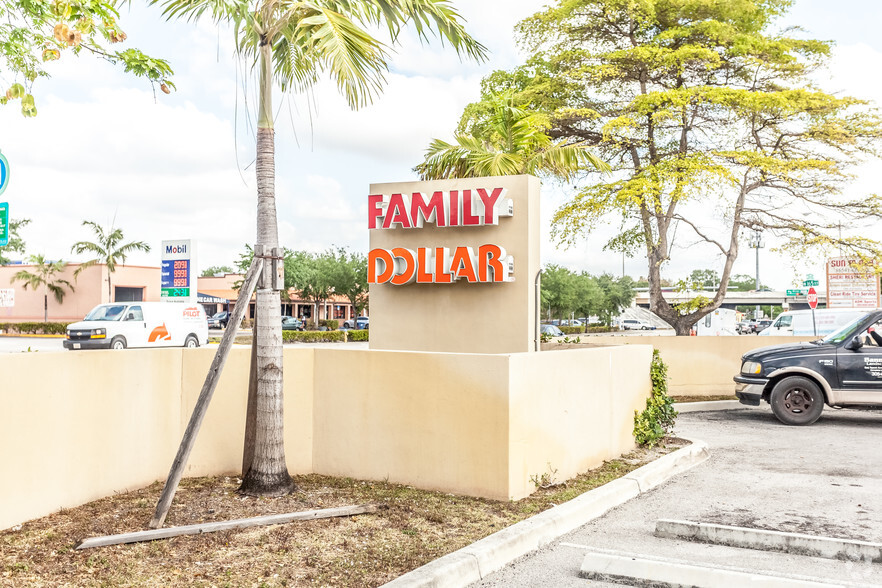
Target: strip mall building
x=141 y=283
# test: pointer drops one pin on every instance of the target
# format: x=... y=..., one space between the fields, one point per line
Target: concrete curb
x=478 y=560
x=763 y=539
x=684 y=407
x=32 y=335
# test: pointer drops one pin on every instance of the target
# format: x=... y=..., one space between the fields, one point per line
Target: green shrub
x=312 y=336
x=31 y=328
x=332 y=325
x=658 y=419
x=591 y=329
x=357 y=335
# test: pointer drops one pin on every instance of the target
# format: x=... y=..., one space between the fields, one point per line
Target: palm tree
x=511 y=142
x=292 y=43
x=44 y=276
x=108 y=249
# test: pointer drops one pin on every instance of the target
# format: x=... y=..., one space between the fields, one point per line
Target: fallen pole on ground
x=198 y=529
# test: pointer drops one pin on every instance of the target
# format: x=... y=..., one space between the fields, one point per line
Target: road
x=45 y=344
x=824 y=480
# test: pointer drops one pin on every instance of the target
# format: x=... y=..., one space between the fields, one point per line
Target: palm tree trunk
x=45 y=307
x=268 y=475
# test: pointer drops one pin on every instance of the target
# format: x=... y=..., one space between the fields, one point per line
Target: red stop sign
x=812 y=298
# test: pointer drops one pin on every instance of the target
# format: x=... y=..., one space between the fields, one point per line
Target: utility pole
x=756 y=242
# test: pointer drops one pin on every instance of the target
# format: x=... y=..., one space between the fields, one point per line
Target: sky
x=106 y=148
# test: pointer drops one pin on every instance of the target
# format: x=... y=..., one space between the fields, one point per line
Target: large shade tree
x=108 y=248
x=712 y=122
x=45 y=276
x=292 y=44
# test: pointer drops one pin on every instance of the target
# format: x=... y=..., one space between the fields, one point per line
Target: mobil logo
x=174 y=249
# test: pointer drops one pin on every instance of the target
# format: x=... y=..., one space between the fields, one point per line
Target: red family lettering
x=454 y=208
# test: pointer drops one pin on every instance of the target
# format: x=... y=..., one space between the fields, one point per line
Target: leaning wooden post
x=217 y=365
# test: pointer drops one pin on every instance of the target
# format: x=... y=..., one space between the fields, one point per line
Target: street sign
x=795 y=292
x=811 y=283
x=813 y=298
x=4 y=224
x=4 y=173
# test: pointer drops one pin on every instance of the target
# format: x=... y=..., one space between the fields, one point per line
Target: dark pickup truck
x=842 y=370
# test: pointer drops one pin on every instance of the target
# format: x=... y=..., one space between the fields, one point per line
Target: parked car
x=550 y=330
x=842 y=370
x=139 y=324
x=746 y=327
x=289 y=323
x=762 y=325
x=219 y=320
x=361 y=322
x=571 y=323
x=635 y=325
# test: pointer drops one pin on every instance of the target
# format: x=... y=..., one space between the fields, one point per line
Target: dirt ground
x=366 y=550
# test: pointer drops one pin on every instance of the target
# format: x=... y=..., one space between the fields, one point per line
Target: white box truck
x=798 y=323
x=139 y=324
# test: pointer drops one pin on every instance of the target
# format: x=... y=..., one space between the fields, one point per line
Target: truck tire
x=191 y=342
x=797 y=401
x=118 y=343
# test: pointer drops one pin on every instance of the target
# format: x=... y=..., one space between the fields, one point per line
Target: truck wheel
x=118 y=343
x=191 y=342
x=797 y=401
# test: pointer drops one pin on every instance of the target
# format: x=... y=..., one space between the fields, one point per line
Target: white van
x=798 y=323
x=717 y=323
x=140 y=324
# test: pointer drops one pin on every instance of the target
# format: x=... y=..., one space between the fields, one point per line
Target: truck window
x=135 y=314
x=784 y=321
x=106 y=313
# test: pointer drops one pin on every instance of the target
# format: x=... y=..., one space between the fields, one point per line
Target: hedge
x=581 y=330
x=325 y=336
x=312 y=336
x=35 y=328
x=357 y=335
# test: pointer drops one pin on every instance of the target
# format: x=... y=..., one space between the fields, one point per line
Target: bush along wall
x=34 y=328
x=591 y=329
x=325 y=336
x=657 y=420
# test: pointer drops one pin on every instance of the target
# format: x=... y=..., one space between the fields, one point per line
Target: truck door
x=133 y=327
x=860 y=370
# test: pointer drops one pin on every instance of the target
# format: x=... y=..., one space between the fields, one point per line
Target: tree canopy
x=34 y=32
x=16 y=244
x=564 y=291
x=711 y=121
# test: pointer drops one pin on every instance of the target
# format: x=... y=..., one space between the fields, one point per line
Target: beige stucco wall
x=699 y=366
x=444 y=317
x=79 y=426
x=90 y=289
x=571 y=410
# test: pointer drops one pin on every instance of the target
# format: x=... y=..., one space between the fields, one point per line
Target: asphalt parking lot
x=822 y=480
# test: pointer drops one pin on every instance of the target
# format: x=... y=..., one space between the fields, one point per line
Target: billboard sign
x=7 y=297
x=851 y=286
x=177 y=271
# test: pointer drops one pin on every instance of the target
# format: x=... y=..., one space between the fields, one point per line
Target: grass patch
x=704 y=398
x=366 y=550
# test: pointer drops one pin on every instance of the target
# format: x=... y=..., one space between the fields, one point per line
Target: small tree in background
x=108 y=249
x=45 y=277
x=216 y=270
x=16 y=243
